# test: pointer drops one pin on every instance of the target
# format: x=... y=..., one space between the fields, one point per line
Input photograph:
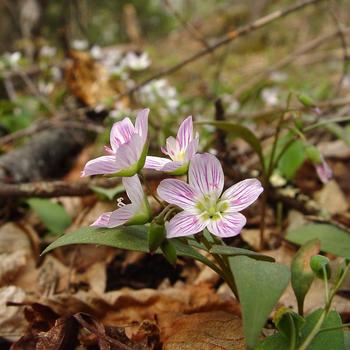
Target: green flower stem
x=293 y=338
x=226 y=273
x=324 y=314
x=145 y=182
x=334 y=328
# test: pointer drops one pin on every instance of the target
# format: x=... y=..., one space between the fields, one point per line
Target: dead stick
x=229 y=37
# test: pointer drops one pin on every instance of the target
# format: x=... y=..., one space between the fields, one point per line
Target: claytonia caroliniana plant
x=180 y=150
x=128 y=150
x=197 y=215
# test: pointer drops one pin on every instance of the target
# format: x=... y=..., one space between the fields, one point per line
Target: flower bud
x=156 y=236
x=320 y=265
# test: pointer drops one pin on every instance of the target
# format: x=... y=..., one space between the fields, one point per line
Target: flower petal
x=155 y=163
x=121 y=216
x=177 y=192
x=324 y=172
x=242 y=194
x=100 y=165
x=185 y=133
x=206 y=175
x=121 y=132
x=141 y=124
x=172 y=147
x=228 y=226
x=129 y=153
x=192 y=149
x=184 y=224
x=102 y=221
x=134 y=189
x=172 y=166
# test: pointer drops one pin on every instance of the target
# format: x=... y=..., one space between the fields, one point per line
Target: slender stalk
x=226 y=271
x=328 y=329
x=318 y=325
x=149 y=190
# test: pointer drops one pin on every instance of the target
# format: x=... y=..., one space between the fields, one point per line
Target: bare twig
x=49 y=189
x=190 y=28
x=309 y=46
x=342 y=38
x=229 y=37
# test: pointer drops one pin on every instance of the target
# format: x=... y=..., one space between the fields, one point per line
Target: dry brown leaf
x=12 y=320
x=215 y=330
x=16 y=256
x=332 y=198
x=89 y=81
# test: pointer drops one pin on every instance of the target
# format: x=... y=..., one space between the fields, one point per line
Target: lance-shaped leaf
x=234 y=251
x=260 y=285
x=238 y=130
x=333 y=239
x=302 y=275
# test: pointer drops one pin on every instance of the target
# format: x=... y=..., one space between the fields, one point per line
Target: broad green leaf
x=108 y=193
x=333 y=239
x=347 y=340
x=302 y=275
x=169 y=251
x=53 y=215
x=130 y=237
x=260 y=285
x=292 y=159
x=233 y=251
x=125 y=237
x=288 y=323
x=237 y=130
x=274 y=342
x=329 y=340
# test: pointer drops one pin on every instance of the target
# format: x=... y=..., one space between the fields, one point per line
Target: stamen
x=120 y=202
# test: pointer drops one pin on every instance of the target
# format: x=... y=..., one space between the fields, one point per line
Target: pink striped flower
x=323 y=170
x=180 y=150
x=135 y=213
x=128 y=150
x=204 y=204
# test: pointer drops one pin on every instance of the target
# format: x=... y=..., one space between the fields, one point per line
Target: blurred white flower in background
x=136 y=62
x=278 y=76
x=79 y=45
x=160 y=91
x=232 y=105
x=48 y=51
x=45 y=88
x=56 y=73
x=96 y=52
x=13 y=58
x=270 y=96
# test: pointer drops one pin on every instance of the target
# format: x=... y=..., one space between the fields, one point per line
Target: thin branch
x=343 y=42
x=190 y=28
x=309 y=46
x=226 y=39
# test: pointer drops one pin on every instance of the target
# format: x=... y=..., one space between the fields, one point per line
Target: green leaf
x=238 y=130
x=156 y=235
x=53 y=215
x=108 y=193
x=347 y=340
x=274 y=342
x=233 y=251
x=333 y=239
x=169 y=252
x=292 y=160
x=302 y=275
x=260 y=285
x=329 y=340
x=129 y=237
x=288 y=323
x=125 y=237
